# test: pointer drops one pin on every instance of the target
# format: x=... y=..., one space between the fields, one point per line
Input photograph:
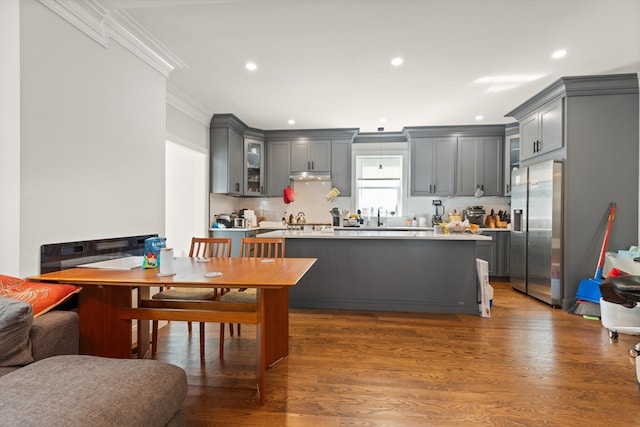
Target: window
x=379 y=184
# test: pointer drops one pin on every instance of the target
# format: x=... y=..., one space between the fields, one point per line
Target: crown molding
x=188 y=106
x=607 y=84
x=102 y=24
x=86 y=15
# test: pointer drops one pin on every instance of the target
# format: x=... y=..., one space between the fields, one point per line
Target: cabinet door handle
x=482 y=187
x=237 y=187
x=308 y=165
x=312 y=165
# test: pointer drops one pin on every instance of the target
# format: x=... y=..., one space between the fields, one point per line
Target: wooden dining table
x=106 y=305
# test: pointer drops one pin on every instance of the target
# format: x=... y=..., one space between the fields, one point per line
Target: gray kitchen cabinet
x=486 y=250
x=595 y=123
x=227 y=169
x=480 y=165
x=236 y=236
x=278 y=167
x=237 y=157
x=511 y=154
x=341 y=165
x=253 y=167
x=433 y=165
x=503 y=248
x=311 y=155
x=541 y=131
x=495 y=252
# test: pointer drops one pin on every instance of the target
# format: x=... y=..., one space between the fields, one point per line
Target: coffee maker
x=475 y=215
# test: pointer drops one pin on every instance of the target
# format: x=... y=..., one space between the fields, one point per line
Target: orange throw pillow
x=42 y=296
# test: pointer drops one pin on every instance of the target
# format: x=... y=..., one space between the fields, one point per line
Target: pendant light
x=380 y=170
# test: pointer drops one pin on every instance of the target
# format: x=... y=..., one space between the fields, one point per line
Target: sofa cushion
x=16 y=318
x=92 y=391
x=54 y=334
x=42 y=296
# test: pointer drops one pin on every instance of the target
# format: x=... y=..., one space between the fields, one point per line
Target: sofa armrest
x=55 y=333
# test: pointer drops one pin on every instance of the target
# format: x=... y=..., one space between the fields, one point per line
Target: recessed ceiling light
x=560 y=53
x=397 y=61
x=291 y=122
x=479 y=117
x=251 y=66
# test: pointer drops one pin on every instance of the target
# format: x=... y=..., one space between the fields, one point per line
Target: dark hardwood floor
x=527 y=365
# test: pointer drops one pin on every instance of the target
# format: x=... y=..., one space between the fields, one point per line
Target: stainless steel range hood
x=310 y=176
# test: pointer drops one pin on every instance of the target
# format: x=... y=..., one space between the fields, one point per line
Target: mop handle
x=612 y=211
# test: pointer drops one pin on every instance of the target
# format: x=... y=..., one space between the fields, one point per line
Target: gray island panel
x=389 y=274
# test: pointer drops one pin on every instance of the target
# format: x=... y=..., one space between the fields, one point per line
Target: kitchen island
x=390 y=270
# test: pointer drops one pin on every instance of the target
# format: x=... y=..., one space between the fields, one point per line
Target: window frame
x=383 y=149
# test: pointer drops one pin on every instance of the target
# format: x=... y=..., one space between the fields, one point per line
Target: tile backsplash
x=310 y=199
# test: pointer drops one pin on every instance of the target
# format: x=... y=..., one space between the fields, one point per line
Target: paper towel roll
x=422 y=221
x=167 y=266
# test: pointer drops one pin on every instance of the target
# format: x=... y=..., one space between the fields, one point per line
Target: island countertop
x=373 y=234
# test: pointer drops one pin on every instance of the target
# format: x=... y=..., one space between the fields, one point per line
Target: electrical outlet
x=437 y=203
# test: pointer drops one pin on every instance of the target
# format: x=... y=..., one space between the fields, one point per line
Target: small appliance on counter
x=248 y=217
x=224 y=221
x=475 y=215
x=437 y=217
x=335 y=213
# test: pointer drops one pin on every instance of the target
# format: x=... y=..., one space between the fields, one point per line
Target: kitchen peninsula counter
x=386 y=270
x=383 y=233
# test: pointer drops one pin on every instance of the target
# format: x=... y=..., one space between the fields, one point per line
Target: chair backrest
x=262 y=247
x=210 y=247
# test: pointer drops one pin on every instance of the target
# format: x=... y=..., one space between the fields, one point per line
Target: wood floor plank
x=526 y=365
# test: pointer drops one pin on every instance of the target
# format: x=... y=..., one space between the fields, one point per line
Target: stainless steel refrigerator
x=536 y=231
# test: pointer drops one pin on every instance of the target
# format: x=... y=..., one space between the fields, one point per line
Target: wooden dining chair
x=201 y=247
x=251 y=247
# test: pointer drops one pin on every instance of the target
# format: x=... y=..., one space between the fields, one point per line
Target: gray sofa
x=43 y=380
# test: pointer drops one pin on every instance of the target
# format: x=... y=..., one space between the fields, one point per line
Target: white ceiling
x=326 y=64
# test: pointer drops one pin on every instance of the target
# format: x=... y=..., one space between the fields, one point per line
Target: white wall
x=92 y=138
x=9 y=137
x=187 y=130
x=185 y=207
x=187 y=171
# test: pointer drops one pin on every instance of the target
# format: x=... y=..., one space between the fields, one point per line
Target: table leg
x=276 y=320
x=272 y=331
x=143 y=325
x=102 y=331
x=261 y=338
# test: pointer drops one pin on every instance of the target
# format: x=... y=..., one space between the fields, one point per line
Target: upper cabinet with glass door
x=237 y=157
x=254 y=167
x=511 y=154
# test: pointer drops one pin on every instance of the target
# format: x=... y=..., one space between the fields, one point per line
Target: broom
x=588 y=294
